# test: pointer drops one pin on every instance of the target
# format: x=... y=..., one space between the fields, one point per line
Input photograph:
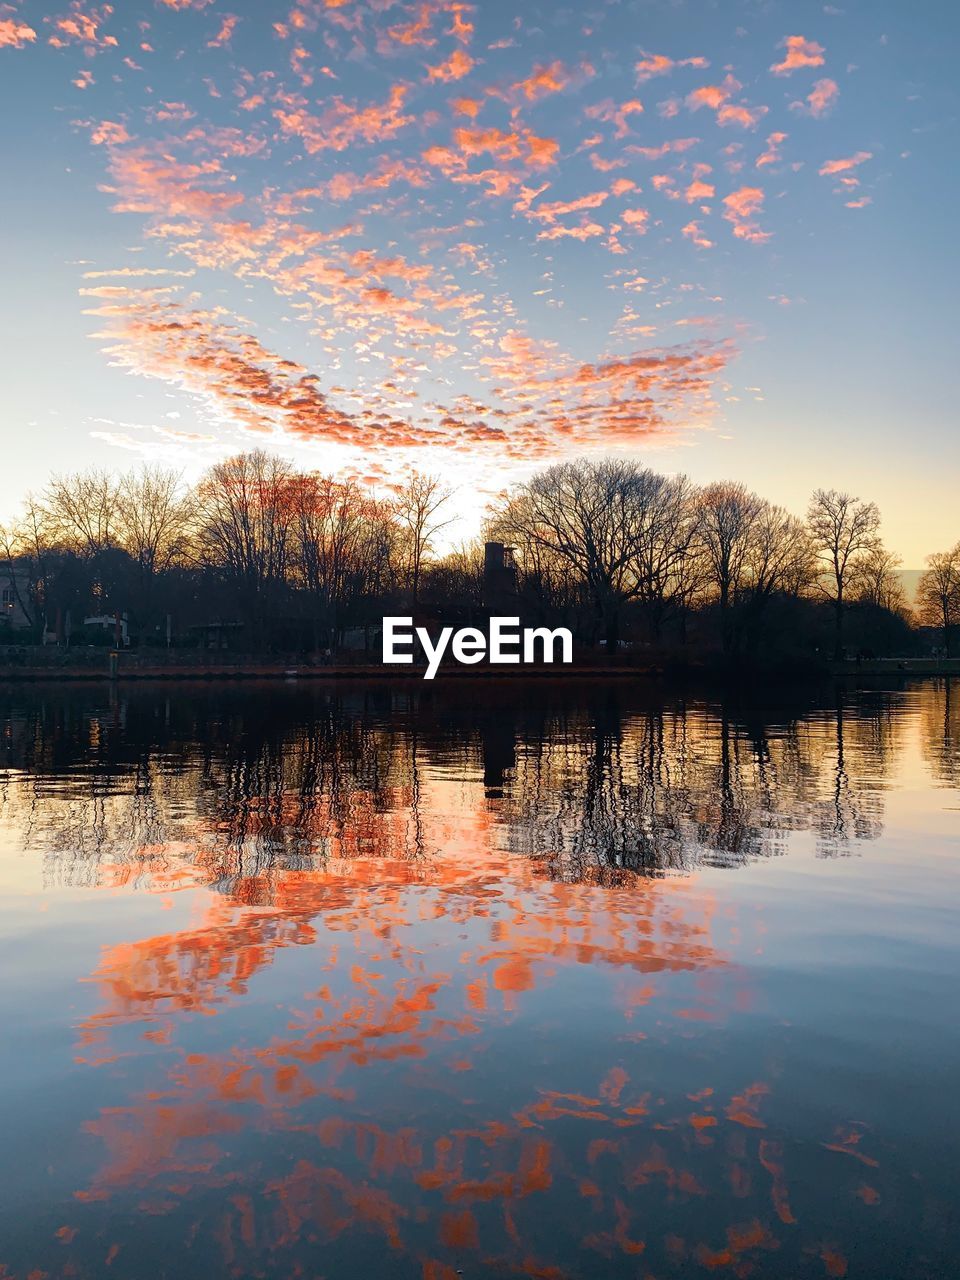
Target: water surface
x=479 y=980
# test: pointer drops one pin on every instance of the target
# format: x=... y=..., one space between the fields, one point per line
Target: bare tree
x=843 y=531
x=459 y=575
x=780 y=557
x=667 y=546
x=417 y=507
x=877 y=582
x=728 y=514
x=938 y=593
x=331 y=544
x=82 y=511
x=593 y=516
x=154 y=518
x=244 y=514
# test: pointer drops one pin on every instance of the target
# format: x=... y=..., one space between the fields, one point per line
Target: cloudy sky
x=476 y=238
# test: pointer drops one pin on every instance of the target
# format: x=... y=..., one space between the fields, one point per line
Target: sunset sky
x=479 y=238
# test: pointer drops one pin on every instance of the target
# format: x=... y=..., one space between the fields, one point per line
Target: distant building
x=499 y=578
x=219 y=635
x=14 y=594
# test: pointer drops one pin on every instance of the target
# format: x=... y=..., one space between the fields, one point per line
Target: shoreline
x=226 y=672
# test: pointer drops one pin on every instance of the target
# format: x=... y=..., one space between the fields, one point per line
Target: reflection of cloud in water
x=439 y=1010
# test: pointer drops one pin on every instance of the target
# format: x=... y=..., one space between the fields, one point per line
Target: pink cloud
x=692 y=232
x=718 y=98
x=228 y=24
x=544 y=80
x=800 y=53
x=82 y=26
x=15 y=34
x=585 y=231
x=842 y=166
x=708 y=95
x=458 y=65
x=772 y=153
x=698 y=189
x=740 y=207
x=615 y=113
x=739 y=114
x=820 y=100
x=657 y=64
x=549 y=212
x=637 y=219
x=343 y=123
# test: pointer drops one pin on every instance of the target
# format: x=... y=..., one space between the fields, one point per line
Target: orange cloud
x=841 y=166
x=772 y=153
x=738 y=113
x=549 y=212
x=536 y=152
x=551 y=402
x=615 y=113
x=585 y=231
x=800 y=53
x=636 y=219
x=228 y=25
x=344 y=123
x=418 y=32
x=161 y=185
x=674 y=146
x=820 y=99
x=717 y=98
x=15 y=34
x=82 y=26
x=657 y=64
x=108 y=133
x=699 y=190
x=692 y=232
x=461 y=28
x=345 y=185
x=542 y=81
x=709 y=95
x=740 y=207
x=458 y=65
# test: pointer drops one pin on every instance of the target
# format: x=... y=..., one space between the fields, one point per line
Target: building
x=14 y=600
x=499 y=578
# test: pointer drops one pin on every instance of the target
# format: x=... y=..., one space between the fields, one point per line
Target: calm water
x=483 y=980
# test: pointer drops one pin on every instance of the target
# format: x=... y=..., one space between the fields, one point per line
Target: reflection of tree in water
x=249 y=784
x=597 y=783
x=342 y=1114
x=940 y=728
x=662 y=789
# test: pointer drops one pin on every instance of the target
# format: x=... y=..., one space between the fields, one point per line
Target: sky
x=476 y=239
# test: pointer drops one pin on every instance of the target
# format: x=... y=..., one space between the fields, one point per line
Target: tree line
x=623 y=555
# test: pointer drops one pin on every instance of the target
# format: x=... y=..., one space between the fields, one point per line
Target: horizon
x=379 y=236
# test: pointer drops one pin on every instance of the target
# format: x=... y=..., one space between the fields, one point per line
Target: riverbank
x=129 y=667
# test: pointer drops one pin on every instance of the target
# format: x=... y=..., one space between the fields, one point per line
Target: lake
x=493 y=978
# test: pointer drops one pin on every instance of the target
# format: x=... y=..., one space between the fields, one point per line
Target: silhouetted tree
x=595 y=516
x=418 y=505
x=938 y=593
x=728 y=514
x=844 y=531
